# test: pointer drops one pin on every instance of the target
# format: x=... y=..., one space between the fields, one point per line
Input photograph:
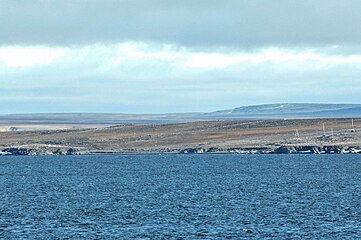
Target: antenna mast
x=297 y=134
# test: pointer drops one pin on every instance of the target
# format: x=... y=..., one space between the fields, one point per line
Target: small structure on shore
x=352 y=126
x=297 y=134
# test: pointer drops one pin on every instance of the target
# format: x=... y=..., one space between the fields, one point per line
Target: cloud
x=139 y=77
x=29 y=56
x=201 y=23
x=172 y=56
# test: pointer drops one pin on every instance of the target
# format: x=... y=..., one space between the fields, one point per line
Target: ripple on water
x=181 y=196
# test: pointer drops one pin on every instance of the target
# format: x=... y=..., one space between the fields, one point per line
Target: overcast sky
x=156 y=56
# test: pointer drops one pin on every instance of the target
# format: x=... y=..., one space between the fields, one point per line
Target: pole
x=297 y=134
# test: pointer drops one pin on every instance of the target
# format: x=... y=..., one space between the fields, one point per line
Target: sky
x=158 y=56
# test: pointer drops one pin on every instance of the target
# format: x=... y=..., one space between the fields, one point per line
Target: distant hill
x=290 y=110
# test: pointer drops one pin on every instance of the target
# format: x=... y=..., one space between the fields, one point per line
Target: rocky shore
x=278 y=150
x=32 y=152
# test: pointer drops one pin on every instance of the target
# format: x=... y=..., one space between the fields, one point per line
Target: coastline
x=295 y=136
x=278 y=150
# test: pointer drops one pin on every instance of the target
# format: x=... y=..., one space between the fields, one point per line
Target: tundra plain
x=217 y=136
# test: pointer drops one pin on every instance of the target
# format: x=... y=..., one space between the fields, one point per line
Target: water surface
x=181 y=196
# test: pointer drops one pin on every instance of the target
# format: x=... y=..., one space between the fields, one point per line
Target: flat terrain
x=205 y=134
x=56 y=121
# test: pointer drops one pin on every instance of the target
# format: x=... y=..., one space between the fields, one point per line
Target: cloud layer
x=141 y=77
x=149 y=56
x=201 y=23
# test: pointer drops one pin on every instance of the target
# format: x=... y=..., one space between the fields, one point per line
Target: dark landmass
x=291 y=110
x=230 y=136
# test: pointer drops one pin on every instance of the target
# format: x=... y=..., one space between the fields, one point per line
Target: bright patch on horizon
x=138 y=53
x=29 y=56
x=187 y=58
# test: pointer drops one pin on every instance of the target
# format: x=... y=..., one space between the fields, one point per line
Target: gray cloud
x=232 y=23
x=100 y=79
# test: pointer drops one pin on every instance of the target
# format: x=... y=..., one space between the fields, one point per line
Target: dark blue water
x=181 y=196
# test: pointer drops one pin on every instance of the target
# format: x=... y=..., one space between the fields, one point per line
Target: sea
x=174 y=196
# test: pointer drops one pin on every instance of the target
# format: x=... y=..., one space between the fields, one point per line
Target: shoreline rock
x=13 y=151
